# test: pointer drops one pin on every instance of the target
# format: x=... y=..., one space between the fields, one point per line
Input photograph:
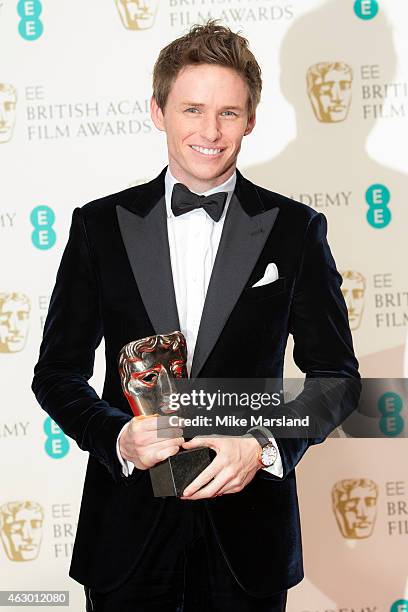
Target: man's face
x=205 y=119
x=13 y=325
x=358 y=511
x=137 y=14
x=7 y=114
x=353 y=293
x=331 y=95
x=22 y=535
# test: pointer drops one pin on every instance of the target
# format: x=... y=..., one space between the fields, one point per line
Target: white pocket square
x=271 y=274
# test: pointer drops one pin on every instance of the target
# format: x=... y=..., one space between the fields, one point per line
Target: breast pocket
x=265 y=291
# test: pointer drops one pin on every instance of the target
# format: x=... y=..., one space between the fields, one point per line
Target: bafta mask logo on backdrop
x=14 y=321
x=8 y=103
x=329 y=89
x=137 y=14
x=353 y=290
x=21 y=525
x=355 y=507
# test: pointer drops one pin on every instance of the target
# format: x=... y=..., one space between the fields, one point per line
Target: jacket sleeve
x=323 y=348
x=72 y=332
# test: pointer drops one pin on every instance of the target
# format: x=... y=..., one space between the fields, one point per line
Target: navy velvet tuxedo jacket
x=115 y=281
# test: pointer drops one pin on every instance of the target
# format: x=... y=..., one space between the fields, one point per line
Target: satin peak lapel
x=147 y=246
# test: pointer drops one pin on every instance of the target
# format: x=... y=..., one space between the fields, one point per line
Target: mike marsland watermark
x=232 y=421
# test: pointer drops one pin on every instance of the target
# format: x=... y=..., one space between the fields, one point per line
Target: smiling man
x=236 y=268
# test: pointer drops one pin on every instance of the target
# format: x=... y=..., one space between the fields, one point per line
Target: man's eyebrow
x=232 y=107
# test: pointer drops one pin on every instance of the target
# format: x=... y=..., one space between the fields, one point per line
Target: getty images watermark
x=233 y=401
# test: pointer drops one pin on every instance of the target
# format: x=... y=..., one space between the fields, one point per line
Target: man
x=232 y=542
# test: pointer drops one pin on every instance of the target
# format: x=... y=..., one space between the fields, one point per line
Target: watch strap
x=260 y=435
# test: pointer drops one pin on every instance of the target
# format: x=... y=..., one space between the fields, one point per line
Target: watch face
x=269 y=454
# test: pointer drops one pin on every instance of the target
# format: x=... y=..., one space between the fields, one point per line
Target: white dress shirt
x=193 y=240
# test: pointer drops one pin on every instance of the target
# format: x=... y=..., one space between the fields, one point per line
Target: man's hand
x=147 y=440
x=230 y=471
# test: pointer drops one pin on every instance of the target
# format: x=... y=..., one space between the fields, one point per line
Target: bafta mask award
x=148 y=368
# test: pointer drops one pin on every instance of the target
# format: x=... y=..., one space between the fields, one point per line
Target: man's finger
x=204 y=478
x=209 y=441
x=211 y=489
x=155 y=456
x=152 y=425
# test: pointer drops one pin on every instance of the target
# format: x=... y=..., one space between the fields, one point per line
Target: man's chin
x=208 y=171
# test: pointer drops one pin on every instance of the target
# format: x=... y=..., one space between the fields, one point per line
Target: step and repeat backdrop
x=332 y=132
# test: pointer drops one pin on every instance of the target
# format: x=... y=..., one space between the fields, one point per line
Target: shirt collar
x=228 y=186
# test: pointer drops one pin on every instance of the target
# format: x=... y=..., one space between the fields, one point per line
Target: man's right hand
x=146 y=441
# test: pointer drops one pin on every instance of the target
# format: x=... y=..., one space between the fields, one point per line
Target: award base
x=170 y=477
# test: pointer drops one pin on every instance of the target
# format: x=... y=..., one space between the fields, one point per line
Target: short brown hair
x=207 y=44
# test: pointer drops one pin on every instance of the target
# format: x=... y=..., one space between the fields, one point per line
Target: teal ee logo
x=366 y=9
x=391 y=422
x=30 y=26
x=57 y=444
x=42 y=219
x=401 y=605
x=378 y=197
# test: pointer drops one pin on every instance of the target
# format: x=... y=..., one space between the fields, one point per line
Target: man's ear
x=156 y=114
x=250 y=124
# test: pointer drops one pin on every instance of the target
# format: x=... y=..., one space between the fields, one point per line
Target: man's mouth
x=206 y=151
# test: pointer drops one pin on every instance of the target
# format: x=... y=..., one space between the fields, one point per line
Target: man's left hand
x=230 y=471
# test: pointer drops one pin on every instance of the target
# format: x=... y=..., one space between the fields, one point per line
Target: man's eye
x=192 y=110
x=230 y=113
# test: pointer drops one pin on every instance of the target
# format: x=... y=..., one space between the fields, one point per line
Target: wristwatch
x=268 y=452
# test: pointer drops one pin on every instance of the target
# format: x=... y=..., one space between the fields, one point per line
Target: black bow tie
x=183 y=200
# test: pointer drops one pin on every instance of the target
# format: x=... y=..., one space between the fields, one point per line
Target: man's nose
x=210 y=129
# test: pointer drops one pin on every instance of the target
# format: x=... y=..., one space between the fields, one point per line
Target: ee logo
x=30 y=26
x=366 y=9
x=378 y=197
x=42 y=219
x=391 y=422
x=401 y=605
x=56 y=444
